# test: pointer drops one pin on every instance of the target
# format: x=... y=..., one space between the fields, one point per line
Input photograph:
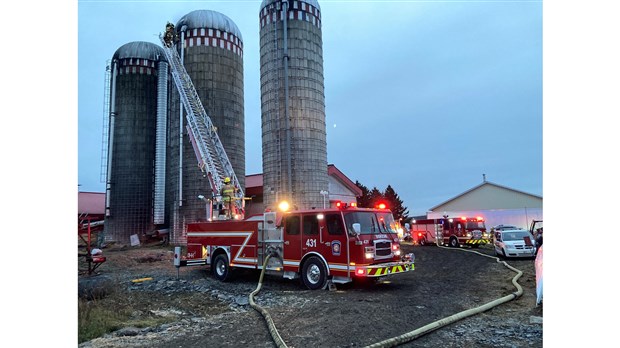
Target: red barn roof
x=335 y=172
x=254 y=182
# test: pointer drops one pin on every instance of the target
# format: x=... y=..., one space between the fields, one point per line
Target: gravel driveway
x=208 y=313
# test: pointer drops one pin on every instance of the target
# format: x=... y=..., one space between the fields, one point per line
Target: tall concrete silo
x=292 y=103
x=212 y=53
x=139 y=73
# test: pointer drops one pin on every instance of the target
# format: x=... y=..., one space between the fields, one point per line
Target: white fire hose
x=272 y=327
x=412 y=335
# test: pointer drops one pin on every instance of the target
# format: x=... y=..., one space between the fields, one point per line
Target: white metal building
x=497 y=204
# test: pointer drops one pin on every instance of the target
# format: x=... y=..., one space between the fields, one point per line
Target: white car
x=504 y=227
x=514 y=243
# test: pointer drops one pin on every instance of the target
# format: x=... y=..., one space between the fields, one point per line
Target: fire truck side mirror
x=357 y=228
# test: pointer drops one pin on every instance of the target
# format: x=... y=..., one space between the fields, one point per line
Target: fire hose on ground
x=272 y=327
x=412 y=335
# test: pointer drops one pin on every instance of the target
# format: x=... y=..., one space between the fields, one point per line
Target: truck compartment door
x=292 y=242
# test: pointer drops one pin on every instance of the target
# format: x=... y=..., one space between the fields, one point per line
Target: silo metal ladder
x=210 y=152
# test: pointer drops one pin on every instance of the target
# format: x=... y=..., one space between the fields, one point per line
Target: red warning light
x=353 y=204
x=463 y=218
x=381 y=206
x=479 y=218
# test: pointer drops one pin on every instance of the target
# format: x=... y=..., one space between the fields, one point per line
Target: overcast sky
x=425 y=96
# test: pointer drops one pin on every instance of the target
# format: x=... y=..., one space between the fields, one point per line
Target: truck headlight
x=369 y=252
x=396 y=249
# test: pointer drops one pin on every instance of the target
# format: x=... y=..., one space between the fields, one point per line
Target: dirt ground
x=200 y=311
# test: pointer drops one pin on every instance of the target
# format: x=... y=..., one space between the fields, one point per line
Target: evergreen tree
x=396 y=204
x=370 y=199
x=363 y=201
x=376 y=197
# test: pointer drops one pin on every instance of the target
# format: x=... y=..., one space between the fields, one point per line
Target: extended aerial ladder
x=210 y=153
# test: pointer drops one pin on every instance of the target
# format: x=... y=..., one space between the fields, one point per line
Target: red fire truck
x=334 y=244
x=450 y=231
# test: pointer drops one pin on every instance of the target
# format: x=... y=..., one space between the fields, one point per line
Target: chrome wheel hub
x=314 y=274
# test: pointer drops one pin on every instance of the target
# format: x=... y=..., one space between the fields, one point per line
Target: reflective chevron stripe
x=381 y=271
x=477 y=241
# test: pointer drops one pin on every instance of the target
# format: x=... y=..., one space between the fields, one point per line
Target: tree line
x=372 y=198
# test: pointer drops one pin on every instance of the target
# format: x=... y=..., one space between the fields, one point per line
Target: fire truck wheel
x=454 y=242
x=314 y=273
x=221 y=270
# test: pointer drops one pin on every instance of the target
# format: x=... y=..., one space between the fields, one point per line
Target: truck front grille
x=383 y=249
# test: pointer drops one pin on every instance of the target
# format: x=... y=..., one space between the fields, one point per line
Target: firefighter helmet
x=226 y=180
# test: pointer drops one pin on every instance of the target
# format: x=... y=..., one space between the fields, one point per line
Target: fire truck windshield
x=370 y=222
x=475 y=225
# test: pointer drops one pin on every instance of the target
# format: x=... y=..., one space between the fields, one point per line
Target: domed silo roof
x=314 y=3
x=140 y=50
x=208 y=19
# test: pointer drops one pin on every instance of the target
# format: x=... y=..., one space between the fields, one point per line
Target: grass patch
x=116 y=311
x=95 y=320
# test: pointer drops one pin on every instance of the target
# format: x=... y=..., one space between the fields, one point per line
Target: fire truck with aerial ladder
x=318 y=245
x=454 y=232
x=335 y=244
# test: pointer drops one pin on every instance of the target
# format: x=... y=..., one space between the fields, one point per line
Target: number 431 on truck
x=318 y=245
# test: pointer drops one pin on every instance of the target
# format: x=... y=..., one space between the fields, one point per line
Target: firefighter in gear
x=170 y=35
x=228 y=195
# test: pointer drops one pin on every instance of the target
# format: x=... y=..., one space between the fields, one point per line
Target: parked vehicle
x=335 y=244
x=453 y=231
x=504 y=227
x=514 y=243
